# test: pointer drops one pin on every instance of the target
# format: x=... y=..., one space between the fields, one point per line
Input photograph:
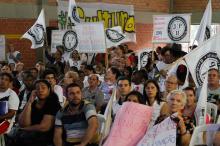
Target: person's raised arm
x=25 y=116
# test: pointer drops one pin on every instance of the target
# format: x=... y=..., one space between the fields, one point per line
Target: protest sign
x=130 y=125
x=162 y=134
x=91 y=37
x=112 y=15
x=85 y=38
x=171 y=28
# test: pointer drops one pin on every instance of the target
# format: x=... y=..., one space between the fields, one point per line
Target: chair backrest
x=212 y=110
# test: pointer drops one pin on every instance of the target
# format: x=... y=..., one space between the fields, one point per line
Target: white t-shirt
x=13 y=101
x=10 y=60
x=74 y=63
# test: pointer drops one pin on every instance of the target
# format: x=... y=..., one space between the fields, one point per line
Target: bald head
x=171 y=83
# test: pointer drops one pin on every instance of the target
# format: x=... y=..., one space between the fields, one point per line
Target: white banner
x=2 y=48
x=112 y=15
x=162 y=134
x=201 y=59
x=86 y=38
x=171 y=28
x=143 y=57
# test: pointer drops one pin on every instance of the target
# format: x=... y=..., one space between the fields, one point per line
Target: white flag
x=201 y=108
x=108 y=116
x=204 y=31
x=114 y=36
x=73 y=17
x=37 y=32
x=204 y=57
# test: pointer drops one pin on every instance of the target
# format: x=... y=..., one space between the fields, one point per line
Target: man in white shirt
x=9 y=96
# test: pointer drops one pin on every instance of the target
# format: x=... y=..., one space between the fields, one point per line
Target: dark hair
x=124 y=78
x=27 y=74
x=90 y=68
x=139 y=96
x=33 y=68
x=211 y=69
x=191 y=89
x=43 y=81
x=52 y=97
x=116 y=72
x=71 y=86
x=158 y=97
x=7 y=75
x=48 y=72
x=165 y=49
x=129 y=69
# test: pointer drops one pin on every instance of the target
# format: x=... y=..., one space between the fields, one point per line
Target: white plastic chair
x=212 y=110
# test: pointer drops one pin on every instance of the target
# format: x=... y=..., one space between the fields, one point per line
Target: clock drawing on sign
x=70 y=40
x=177 y=28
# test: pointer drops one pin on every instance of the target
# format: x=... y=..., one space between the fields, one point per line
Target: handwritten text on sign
x=163 y=134
x=130 y=125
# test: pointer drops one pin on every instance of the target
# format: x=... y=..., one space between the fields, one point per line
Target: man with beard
x=77 y=121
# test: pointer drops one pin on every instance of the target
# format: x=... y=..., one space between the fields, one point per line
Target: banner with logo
x=204 y=57
x=162 y=134
x=36 y=33
x=143 y=57
x=2 y=48
x=171 y=28
x=86 y=38
x=130 y=125
x=112 y=15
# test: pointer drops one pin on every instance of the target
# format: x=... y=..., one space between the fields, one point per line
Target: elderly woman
x=37 y=118
x=176 y=100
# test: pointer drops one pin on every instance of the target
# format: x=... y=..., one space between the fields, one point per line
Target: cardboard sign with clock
x=85 y=38
x=171 y=28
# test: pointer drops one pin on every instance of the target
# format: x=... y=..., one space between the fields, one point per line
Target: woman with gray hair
x=176 y=100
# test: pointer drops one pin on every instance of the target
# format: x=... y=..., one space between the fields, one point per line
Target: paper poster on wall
x=112 y=15
x=171 y=28
x=2 y=48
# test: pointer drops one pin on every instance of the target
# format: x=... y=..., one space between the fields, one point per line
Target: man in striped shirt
x=77 y=121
